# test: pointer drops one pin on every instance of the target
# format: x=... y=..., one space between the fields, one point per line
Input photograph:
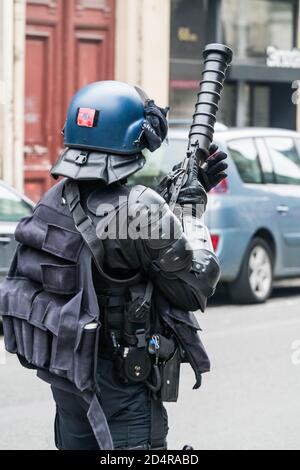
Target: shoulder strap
x=87 y=229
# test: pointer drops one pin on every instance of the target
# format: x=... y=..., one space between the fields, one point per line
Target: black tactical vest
x=50 y=310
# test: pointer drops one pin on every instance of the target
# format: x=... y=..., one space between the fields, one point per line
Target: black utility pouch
x=137 y=365
x=170 y=373
x=136 y=317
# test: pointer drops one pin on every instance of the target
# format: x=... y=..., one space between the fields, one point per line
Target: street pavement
x=250 y=400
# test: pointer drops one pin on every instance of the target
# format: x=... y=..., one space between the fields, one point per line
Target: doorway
x=69 y=43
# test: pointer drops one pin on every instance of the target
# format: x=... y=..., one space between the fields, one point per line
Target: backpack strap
x=87 y=229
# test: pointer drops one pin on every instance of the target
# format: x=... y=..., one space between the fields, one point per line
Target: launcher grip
x=217 y=58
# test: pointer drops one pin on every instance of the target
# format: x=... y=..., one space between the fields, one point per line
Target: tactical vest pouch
x=49 y=308
x=28 y=341
x=49 y=331
x=60 y=279
x=9 y=335
x=85 y=361
x=136 y=318
x=137 y=365
x=49 y=238
x=20 y=339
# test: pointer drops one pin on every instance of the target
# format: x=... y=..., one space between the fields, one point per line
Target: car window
x=265 y=160
x=159 y=163
x=245 y=156
x=285 y=159
x=12 y=207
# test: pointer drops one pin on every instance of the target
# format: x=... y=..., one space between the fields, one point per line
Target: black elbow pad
x=203 y=277
x=207 y=269
x=176 y=257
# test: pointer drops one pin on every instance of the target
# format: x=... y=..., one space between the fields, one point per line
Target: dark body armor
x=55 y=305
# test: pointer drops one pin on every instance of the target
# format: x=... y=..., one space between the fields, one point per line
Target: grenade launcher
x=217 y=58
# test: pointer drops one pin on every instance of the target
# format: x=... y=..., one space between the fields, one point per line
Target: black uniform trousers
x=126 y=406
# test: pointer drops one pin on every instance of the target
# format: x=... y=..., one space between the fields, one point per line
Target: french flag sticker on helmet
x=87 y=117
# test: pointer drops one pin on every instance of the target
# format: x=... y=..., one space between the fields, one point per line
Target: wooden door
x=69 y=43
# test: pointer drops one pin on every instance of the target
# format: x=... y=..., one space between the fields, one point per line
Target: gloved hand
x=155 y=126
x=192 y=192
x=200 y=180
x=214 y=170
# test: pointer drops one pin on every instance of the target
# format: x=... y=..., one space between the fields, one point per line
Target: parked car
x=254 y=215
x=13 y=206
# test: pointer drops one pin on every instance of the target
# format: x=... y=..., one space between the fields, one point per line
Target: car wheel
x=255 y=281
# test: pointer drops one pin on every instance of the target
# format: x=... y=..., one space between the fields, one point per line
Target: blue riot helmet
x=107 y=117
x=108 y=126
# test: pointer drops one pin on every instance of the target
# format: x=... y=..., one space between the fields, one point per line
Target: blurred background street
x=250 y=400
x=51 y=48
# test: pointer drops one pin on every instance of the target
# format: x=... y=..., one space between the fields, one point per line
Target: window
x=250 y=26
x=285 y=160
x=245 y=157
x=188 y=29
x=260 y=100
x=265 y=161
x=12 y=208
x=182 y=104
x=160 y=163
x=227 y=107
x=193 y=24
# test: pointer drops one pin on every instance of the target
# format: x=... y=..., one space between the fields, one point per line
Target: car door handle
x=283 y=209
x=5 y=240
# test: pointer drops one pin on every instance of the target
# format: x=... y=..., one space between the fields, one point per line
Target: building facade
x=50 y=48
x=263 y=35
x=12 y=47
x=69 y=43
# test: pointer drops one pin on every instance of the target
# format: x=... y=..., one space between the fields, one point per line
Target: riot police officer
x=110 y=276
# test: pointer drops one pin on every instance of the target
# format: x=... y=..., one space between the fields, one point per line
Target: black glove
x=199 y=182
x=193 y=192
x=155 y=126
x=214 y=170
